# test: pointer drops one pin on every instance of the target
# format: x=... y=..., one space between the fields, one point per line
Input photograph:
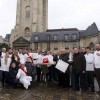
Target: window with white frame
x=74 y=36
x=36 y=38
x=55 y=37
x=66 y=37
x=55 y=45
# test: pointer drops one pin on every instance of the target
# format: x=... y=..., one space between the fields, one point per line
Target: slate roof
x=63 y=29
x=91 y=30
x=43 y=35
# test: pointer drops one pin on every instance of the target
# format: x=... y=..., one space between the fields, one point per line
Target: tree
x=3 y=45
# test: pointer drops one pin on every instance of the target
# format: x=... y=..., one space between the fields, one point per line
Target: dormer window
x=55 y=37
x=74 y=36
x=66 y=37
x=36 y=38
x=48 y=37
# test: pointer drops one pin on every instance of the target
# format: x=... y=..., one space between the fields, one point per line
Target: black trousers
x=3 y=79
x=80 y=81
x=97 y=72
x=63 y=79
x=50 y=73
x=38 y=73
x=53 y=75
x=13 y=82
x=0 y=75
x=90 y=80
x=60 y=78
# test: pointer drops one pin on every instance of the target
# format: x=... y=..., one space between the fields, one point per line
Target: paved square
x=43 y=92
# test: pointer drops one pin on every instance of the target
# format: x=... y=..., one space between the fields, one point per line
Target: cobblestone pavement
x=43 y=92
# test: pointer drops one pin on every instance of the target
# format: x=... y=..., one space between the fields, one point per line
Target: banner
x=62 y=66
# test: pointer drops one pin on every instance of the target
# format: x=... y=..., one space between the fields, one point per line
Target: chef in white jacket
x=5 y=64
x=22 y=76
x=38 y=57
x=28 y=54
x=22 y=56
x=89 y=70
x=97 y=64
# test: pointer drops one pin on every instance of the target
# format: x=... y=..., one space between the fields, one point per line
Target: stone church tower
x=31 y=16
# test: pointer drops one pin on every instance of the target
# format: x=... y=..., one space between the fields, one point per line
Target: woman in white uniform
x=22 y=76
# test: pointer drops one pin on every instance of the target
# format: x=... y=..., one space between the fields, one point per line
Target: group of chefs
x=26 y=66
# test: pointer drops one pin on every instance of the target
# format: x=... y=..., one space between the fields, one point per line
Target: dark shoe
x=59 y=84
x=98 y=92
x=2 y=84
x=92 y=90
x=76 y=89
x=83 y=91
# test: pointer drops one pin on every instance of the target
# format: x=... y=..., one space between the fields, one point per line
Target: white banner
x=62 y=66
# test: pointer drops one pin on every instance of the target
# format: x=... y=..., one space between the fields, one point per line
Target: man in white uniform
x=97 y=64
x=28 y=54
x=3 y=67
x=21 y=56
x=89 y=70
x=38 y=67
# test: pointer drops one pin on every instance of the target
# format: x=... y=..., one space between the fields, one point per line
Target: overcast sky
x=62 y=14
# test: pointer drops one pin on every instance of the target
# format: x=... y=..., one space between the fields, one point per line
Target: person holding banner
x=54 y=70
x=63 y=78
x=44 y=67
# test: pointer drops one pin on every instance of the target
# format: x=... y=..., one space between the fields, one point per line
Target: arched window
x=27 y=12
x=27 y=31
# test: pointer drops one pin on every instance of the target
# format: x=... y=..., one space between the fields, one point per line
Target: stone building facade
x=31 y=30
x=66 y=38
x=31 y=16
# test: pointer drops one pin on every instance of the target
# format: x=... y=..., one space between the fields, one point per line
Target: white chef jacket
x=89 y=62
x=96 y=59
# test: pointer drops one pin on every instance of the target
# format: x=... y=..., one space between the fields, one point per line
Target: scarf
x=23 y=70
x=30 y=58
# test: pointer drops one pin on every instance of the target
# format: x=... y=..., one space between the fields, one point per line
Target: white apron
x=23 y=78
x=5 y=66
x=22 y=58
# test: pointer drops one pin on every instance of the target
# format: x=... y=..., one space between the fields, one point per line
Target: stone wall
x=86 y=41
x=55 y=45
